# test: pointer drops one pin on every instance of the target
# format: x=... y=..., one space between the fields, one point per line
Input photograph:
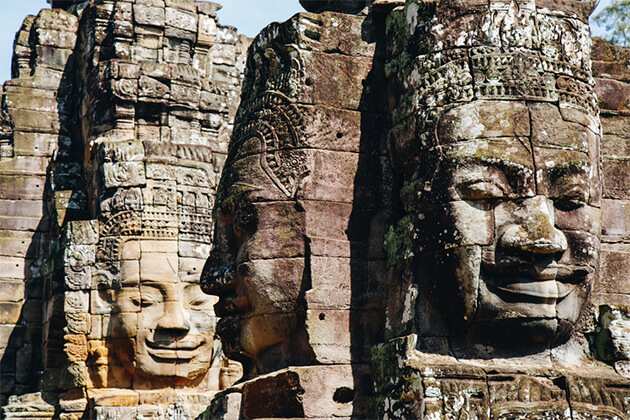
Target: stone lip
x=551 y=282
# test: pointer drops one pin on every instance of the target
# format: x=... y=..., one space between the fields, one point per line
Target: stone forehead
x=541 y=123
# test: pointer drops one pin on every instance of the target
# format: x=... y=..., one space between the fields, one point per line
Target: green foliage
x=616 y=19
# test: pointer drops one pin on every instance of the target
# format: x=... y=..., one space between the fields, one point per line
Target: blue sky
x=249 y=16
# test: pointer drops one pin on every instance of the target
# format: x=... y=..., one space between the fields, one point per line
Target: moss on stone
x=399 y=241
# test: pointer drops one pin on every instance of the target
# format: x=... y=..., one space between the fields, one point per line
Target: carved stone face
x=164 y=325
x=507 y=221
x=256 y=265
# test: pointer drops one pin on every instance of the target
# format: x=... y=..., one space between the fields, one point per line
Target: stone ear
x=102 y=299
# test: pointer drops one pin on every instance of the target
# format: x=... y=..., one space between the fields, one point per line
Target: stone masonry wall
x=34 y=112
x=611 y=293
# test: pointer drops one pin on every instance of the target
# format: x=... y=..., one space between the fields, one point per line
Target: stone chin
x=521 y=312
x=503 y=306
x=245 y=337
x=186 y=359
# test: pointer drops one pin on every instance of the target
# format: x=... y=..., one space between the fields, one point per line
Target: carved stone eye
x=482 y=190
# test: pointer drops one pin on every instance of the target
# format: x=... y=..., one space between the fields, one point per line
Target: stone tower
x=115 y=129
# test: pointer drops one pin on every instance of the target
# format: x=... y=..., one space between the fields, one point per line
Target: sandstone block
x=30 y=120
x=189 y=5
x=78 y=323
x=333 y=176
x=141 y=54
x=148 y=15
x=24 y=208
x=75 y=347
x=279 y=219
x=174 y=37
x=329 y=77
x=193 y=249
x=122 y=151
x=181 y=19
x=14 y=268
x=615 y=215
x=615 y=269
x=613 y=95
x=616 y=179
x=35 y=144
x=616 y=147
x=153 y=88
x=226 y=35
x=56 y=38
x=83 y=232
x=29 y=100
x=10 y=312
x=57 y=19
x=14 y=332
x=615 y=125
x=123 y=174
x=336 y=214
x=350 y=42
x=44 y=79
x=22 y=187
x=264 y=396
x=52 y=57
x=19 y=244
x=12 y=290
x=185 y=95
x=206 y=34
x=114 y=397
x=76 y=301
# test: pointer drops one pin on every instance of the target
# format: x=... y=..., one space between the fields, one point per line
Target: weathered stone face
x=161 y=325
x=128 y=107
x=261 y=280
x=507 y=228
x=495 y=132
x=297 y=256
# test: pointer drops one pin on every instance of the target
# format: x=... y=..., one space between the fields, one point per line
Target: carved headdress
x=270 y=124
x=501 y=50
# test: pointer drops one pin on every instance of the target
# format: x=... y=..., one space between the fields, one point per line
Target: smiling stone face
x=506 y=224
x=164 y=326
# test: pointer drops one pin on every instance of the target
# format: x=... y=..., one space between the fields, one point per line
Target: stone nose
x=173 y=317
x=217 y=278
x=536 y=232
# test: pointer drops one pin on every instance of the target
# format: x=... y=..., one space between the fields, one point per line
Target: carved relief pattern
x=277 y=124
x=268 y=113
x=517 y=51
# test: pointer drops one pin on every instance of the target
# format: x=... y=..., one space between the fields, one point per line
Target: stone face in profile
x=297 y=255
